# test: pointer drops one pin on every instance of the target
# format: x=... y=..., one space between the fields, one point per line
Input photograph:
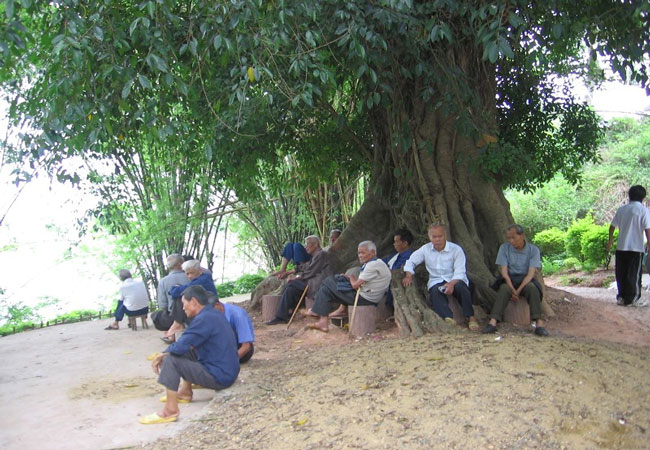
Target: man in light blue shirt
x=242 y=326
x=445 y=262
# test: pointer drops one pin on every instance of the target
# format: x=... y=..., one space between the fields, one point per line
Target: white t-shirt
x=134 y=294
x=377 y=276
x=632 y=220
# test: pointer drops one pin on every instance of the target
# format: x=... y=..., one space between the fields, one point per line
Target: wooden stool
x=133 y=322
x=269 y=306
x=364 y=320
x=383 y=311
x=517 y=312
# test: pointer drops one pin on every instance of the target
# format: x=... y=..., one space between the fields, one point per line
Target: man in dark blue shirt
x=206 y=354
x=402 y=240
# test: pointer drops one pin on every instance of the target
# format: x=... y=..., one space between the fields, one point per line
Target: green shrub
x=571 y=263
x=550 y=242
x=593 y=245
x=550 y=266
x=573 y=241
x=226 y=289
x=247 y=283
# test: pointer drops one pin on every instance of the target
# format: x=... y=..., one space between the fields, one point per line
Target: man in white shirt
x=445 y=262
x=134 y=299
x=632 y=220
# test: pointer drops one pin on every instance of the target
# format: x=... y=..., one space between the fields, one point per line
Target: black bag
x=162 y=320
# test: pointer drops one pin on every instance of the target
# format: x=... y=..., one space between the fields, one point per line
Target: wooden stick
x=298 y=306
x=354 y=309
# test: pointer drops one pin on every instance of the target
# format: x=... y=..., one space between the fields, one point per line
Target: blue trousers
x=121 y=310
x=440 y=303
x=294 y=251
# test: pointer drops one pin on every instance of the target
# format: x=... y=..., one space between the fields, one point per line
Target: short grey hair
x=124 y=274
x=174 y=260
x=335 y=230
x=312 y=237
x=438 y=225
x=368 y=245
x=192 y=264
x=518 y=228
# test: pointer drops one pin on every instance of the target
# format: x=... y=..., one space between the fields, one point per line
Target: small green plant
x=550 y=266
x=593 y=244
x=550 y=242
x=226 y=289
x=247 y=283
x=571 y=263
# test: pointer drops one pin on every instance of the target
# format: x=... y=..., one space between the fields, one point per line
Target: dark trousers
x=329 y=295
x=248 y=355
x=290 y=296
x=177 y=312
x=188 y=368
x=628 y=270
x=530 y=292
x=121 y=310
x=440 y=303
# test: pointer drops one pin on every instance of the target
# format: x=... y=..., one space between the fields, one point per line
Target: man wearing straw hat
x=373 y=281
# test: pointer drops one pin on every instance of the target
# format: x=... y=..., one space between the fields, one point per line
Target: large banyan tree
x=445 y=103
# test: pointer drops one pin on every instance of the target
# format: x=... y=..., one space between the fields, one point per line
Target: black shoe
x=275 y=321
x=489 y=329
x=541 y=331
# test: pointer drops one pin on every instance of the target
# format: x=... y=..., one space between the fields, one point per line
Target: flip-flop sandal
x=111 y=328
x=314 y=327
x=180 y=400
x=340 y=316
x=154 y=418
x=473 y=325
x=167 y=340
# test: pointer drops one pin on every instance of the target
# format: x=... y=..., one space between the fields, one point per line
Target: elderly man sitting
x=518 y=262
x=241 y=325
x=206 y=354
x=373 y=281
x=296 y=252
x=197 y=277
x=134 y=299
x=312 y=274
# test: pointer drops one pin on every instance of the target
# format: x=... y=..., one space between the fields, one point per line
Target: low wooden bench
x=133 y=322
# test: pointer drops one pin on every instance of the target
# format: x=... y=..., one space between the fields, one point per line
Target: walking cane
x=298 y=306
x=354 y=309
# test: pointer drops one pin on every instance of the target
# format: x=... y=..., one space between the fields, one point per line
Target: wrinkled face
x=399 y=244
x=365 y=255
x=193 y=274
x=191 y=307
x=311 y=246
x=334 y=235
x=438 y=238
x=517 y=240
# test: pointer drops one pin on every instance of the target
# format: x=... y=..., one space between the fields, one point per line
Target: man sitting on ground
x=373 y=281
x=632 y=220
x=312 y=275
x=205 y=355
x=445 y=262
x=241 y=325
x=134 y=299
x=518 y=262
x=197 y=277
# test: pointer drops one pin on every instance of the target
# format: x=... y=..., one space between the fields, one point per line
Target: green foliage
x=571 y=263
x=593 y=244
x=226 y=289
x=550 y=242
x=242 y=285
x=551 y=266
x=573 y=242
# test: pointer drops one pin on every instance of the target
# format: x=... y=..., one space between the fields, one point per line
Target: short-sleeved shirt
x=134 y=294
x=519 y=261
x=377 y=276
x=175 y=277
x=632 y=220
x=240 y=322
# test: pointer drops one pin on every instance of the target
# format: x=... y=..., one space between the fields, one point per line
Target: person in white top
x=134 y=299
x=445 y=262
x=632 y=220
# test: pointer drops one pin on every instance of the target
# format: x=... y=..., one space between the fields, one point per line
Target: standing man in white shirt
x=632 y=220
x=445 y=262
x=134 y=299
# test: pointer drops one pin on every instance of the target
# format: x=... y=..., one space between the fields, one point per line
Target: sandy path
x=78 y=386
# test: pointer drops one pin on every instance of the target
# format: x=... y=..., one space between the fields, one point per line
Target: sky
x=42 y=256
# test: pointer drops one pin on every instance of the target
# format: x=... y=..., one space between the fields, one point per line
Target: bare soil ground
x=587 y=386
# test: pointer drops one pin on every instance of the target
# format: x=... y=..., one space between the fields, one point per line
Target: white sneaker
x=640 y=302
